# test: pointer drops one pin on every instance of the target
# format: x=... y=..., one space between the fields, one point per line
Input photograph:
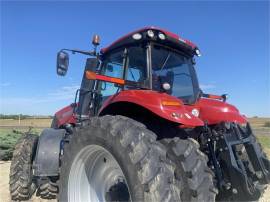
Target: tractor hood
x=215 y=111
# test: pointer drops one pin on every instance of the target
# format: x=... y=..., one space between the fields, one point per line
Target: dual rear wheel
x=114 y=158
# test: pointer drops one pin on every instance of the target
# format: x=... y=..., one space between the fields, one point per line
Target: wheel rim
x=95 y=175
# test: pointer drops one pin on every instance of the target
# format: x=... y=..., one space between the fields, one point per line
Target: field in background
x=262 y=132
x=10 y=131
x=33 y=122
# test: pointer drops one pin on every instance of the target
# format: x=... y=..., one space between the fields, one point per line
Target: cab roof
x=171 y=39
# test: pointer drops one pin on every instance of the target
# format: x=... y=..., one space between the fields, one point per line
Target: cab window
x=137 y=65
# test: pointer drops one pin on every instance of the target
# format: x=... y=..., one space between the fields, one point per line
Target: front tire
x=21 y=185
x=118 y=159
x=48 y=190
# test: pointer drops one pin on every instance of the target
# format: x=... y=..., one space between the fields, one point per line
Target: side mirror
x=62 y=63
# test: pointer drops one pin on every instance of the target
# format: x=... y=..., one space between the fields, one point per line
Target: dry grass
x=258 y=122
x=41 y=123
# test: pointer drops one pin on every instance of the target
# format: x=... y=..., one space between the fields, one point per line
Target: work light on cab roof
x=155 y=34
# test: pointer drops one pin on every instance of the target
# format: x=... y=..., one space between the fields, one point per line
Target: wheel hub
x=95 y=175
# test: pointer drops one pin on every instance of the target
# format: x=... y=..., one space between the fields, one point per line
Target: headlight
x=150 y=33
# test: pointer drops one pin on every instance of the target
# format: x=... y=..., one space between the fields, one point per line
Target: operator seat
x=157 y=81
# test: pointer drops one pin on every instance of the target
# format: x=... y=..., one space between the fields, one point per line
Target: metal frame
x=232 y=174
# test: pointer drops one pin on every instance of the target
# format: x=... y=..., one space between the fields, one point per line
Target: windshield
x=176 y=69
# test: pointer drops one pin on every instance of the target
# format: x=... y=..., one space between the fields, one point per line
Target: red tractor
x=141 y=130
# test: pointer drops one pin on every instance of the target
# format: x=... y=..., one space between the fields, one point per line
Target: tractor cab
x=148 y=59
x=152 y=59
x=151 y=66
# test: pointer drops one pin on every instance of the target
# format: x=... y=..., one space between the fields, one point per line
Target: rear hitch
x=241 y=162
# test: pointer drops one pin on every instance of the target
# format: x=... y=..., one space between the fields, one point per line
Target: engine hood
x=215 y=111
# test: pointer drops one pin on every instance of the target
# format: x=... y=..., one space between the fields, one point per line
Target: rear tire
x=126 y=146
x=21 y=185
x=196 y=179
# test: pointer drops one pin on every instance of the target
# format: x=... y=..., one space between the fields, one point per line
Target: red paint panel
x=211 y=111
x=65 y=116
x=215 y=111
x=152 y=101
x=168 y=33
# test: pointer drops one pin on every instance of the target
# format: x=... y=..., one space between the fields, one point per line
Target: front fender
x=47 y=154
x=154 y=102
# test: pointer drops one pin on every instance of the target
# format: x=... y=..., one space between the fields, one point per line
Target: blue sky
x=233 y=38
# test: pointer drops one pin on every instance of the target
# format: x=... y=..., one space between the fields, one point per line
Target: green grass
x=265 y=142
x=8 y=139
x=267 y=124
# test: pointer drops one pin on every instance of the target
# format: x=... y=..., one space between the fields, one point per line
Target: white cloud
x=207 y=86
x=45 y=104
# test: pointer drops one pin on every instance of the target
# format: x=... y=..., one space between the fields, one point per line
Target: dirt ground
x=4 y=186
x=4 y=192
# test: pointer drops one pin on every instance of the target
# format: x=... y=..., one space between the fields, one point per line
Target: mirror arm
x=91 y=53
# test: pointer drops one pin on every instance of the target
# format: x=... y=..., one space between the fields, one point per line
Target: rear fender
x=161 y=104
